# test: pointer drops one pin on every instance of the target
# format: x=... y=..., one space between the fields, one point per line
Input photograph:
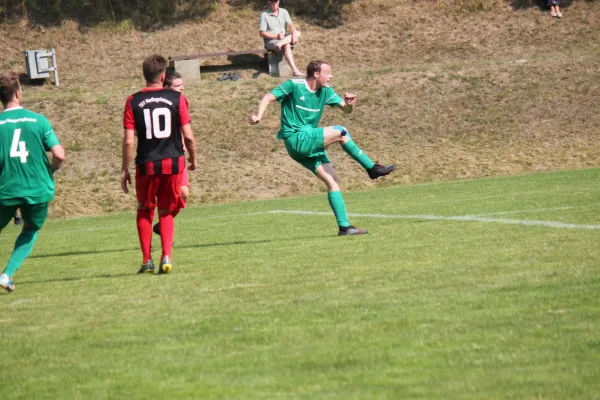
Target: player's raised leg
x=327 y=174
x=333 y=134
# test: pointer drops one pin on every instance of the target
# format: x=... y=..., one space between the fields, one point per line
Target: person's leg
x=144 y=219
x=6 y=214
x=34 y=216
x=167 y=230
x=17 y=218
x=184 y=193
x=281 y=43
x=554 y=11
x=146 y=187
x=169 y=201
x=339 y=134
x=326 y=173
x=289 y=56
x=184 y=190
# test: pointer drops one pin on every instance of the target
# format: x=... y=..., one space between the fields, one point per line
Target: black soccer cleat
x=351 y=231
x=147 y=268
x=379 y=170
x=18 y=220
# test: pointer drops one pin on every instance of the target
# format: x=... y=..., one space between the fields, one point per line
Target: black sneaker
x=351 y=230
x=18 y=220
x=380 y=170
x=147 y=267
x=166 y=265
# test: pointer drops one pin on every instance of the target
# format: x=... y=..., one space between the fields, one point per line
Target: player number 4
x=17 y=148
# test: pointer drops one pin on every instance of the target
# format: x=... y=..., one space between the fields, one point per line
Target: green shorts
x=307 y=147
x=34 y=215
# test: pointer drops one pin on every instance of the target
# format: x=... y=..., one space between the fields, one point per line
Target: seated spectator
x=276 y=28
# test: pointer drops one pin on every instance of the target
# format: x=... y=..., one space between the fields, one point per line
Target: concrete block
x=189 y=69
x=278 y=66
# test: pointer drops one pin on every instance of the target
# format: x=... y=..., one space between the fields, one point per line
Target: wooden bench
x=189 y=66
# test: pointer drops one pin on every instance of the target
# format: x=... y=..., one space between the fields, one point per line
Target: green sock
x=23 y=247
x=339 y=208
x=355 y=152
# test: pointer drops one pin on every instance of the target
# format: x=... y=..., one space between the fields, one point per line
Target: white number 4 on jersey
x=17 y=149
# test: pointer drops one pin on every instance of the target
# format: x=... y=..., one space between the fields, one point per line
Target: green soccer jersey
x=302 y=107
x=25 y=174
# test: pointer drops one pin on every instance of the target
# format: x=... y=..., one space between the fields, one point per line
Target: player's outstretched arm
x=347 y=105
x=190 y=144
x=58 y=157
x=128 y=142
x=262 y=108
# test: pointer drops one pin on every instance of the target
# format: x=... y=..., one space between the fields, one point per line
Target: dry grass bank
x=444 y=94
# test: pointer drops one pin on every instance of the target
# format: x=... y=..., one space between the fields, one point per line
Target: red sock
x=167 y=228
x=144 y=227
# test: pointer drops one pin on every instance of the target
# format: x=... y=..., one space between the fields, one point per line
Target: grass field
x=471 y=289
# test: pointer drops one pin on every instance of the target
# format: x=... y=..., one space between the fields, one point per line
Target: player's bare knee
x=184 y=192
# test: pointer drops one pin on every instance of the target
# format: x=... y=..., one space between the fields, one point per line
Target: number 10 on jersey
x=152 y=121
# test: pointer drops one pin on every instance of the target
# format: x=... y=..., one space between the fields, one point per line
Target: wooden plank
x=224 y=53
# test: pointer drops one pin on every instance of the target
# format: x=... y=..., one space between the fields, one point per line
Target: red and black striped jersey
x=157 y=115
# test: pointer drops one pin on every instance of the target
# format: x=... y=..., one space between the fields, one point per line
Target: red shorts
x=185 y=180
x=159 y=190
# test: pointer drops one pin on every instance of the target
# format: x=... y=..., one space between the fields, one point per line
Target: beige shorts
x=271 y=44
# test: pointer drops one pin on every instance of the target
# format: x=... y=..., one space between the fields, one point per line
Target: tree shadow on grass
x=192 y=246
x=105 y=276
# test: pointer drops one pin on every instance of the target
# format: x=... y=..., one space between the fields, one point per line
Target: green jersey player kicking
x=302 y=104
x=26 y=181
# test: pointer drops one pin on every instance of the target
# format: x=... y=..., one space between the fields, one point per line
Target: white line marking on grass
x=531 y=210
x=521 y=211
x=228 y=216
x=551 y=224
x=92 y=229
x=21 y=301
